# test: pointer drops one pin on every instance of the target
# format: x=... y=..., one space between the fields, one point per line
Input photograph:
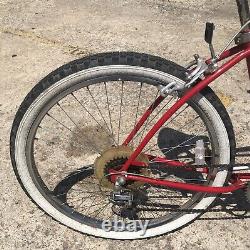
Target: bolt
x=120 y=181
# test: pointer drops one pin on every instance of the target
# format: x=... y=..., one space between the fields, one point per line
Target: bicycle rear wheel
x=83 y=112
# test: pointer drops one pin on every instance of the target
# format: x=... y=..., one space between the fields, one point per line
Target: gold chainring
x=116 y=155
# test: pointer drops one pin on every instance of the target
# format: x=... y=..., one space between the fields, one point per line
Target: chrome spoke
x=179 y=128
x=137 y=110
x=101 y=115
x=93 y=117
x=165 y=105
x=106 y=114
x=182 y=143
x=180 y=146
x=45 y=129
x=140 y=133
x=120 y=112
x=108 y=105
x=62 y=124
x=180 y=112
x=58 y=104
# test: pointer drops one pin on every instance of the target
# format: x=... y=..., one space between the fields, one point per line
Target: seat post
x=244 y=14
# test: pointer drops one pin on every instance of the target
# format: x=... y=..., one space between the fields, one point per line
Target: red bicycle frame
x=238 y=52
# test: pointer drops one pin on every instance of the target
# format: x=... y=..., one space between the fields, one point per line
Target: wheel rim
x=66 y=114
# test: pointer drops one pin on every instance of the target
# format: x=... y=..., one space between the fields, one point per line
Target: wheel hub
x=114 y=158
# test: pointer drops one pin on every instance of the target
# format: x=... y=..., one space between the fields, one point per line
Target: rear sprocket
x=114 y=158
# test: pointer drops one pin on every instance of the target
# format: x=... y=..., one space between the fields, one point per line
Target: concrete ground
x=38 y=36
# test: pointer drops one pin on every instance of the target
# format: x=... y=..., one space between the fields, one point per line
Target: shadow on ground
x=227 y=206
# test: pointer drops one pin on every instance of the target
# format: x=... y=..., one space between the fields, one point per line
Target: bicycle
x=129 y=138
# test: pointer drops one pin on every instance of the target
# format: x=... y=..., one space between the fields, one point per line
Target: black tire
x=155 y=65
